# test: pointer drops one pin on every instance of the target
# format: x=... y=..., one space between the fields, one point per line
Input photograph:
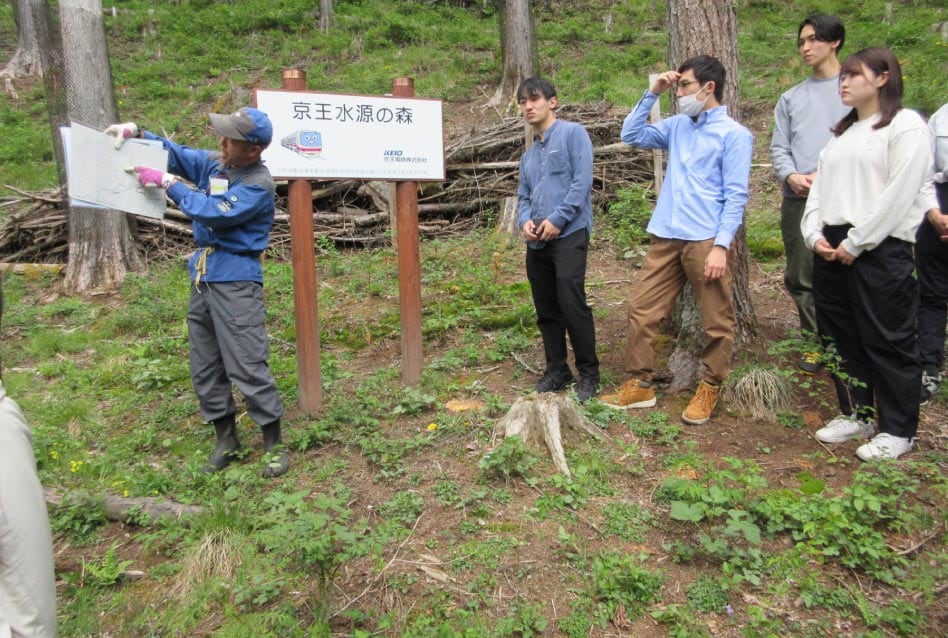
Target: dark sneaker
x=810 y=363
x=553 y=381
x=930 y=381
x=586 y=389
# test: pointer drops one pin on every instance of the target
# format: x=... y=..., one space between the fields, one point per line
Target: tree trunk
x=518 y=50
x=326 y=19
x=697 y=27
x=49 y=37
x=101 y=249
x=26 y=59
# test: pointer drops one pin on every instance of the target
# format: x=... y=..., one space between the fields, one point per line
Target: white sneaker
x=884 y=446
x=844 y=428
x=931 y=379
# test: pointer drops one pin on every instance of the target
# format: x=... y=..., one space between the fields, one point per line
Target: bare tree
x=26 y=59
x=101 y=248
x=49 y=37
x=699 y=27
x=326 y=19
x=518 y=50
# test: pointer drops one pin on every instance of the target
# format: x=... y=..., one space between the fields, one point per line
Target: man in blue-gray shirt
x=699 y=211
x=555 y=217
x=802 y=121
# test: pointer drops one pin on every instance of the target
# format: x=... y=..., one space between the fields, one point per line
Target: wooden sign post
x=303 y=251
x=409 y=262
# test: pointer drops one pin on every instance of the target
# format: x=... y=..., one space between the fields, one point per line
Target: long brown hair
x=878 y=60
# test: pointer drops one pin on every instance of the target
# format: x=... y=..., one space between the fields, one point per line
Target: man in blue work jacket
x=231 y=210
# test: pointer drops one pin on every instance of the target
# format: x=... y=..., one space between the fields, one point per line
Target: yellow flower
x=54 y=454
x=75 y=466
x=125 y=493
x=432 y=426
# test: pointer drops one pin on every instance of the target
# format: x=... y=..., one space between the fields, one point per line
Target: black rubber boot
x=227 y=445
x=277 y=461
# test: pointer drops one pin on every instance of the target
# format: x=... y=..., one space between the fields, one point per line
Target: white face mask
x=689 y=104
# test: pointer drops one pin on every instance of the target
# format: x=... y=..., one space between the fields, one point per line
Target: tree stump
x=509 y=224
x=540 y=419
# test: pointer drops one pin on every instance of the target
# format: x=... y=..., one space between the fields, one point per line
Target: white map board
x=97 y=176
x=327 y=136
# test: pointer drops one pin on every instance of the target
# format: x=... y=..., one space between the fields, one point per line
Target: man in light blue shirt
x=698 y=213
x=555 y=217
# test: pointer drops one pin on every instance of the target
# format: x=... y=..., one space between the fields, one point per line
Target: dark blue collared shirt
x=556 y=176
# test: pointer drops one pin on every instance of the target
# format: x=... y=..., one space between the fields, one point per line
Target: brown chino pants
x=668 y=264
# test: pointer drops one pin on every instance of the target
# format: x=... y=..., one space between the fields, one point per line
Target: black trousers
x=931 y=262
x=868 y=312
x=557 y=275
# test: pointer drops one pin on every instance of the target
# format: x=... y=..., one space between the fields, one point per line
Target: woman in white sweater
x=860 y=220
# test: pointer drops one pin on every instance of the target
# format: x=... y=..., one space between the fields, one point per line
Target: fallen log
x=121 y=508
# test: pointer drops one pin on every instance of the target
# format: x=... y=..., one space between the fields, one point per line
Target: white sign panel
x=325 y=136
x=97 y=173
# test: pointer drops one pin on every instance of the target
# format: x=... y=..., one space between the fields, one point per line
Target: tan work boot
x=702 y=404
x=631 y=394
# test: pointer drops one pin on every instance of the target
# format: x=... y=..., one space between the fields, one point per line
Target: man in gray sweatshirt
x=802 y=121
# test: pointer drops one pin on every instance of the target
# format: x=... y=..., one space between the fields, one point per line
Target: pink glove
x=152 y=177
x=122 y=132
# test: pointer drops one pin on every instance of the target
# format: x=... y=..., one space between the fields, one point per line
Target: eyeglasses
x=684 y=84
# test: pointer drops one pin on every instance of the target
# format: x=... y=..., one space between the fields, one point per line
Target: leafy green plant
x=681 y=622
x=707 y=594
x=654 y=427
x=413 y=402
x=510 y=458
x=79 y=517
x=261 y=589
x=524 y=620
x=618 y=579
x=105 y=572
x=403 y=508
x=628 y=216
x=628 y=521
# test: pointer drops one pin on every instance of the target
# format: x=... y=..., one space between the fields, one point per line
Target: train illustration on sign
x=306 y=143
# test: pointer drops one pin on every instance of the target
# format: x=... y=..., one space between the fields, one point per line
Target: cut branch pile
x=482 y=165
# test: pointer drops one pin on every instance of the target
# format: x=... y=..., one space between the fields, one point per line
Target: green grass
x=373 y=481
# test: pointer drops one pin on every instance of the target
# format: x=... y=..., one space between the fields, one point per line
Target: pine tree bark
x=518 y=50
x=101 y=248
x=698 y=27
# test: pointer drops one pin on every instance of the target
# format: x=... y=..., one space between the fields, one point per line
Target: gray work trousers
x=27 y=581
x=228 y=338
x=798 y=275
